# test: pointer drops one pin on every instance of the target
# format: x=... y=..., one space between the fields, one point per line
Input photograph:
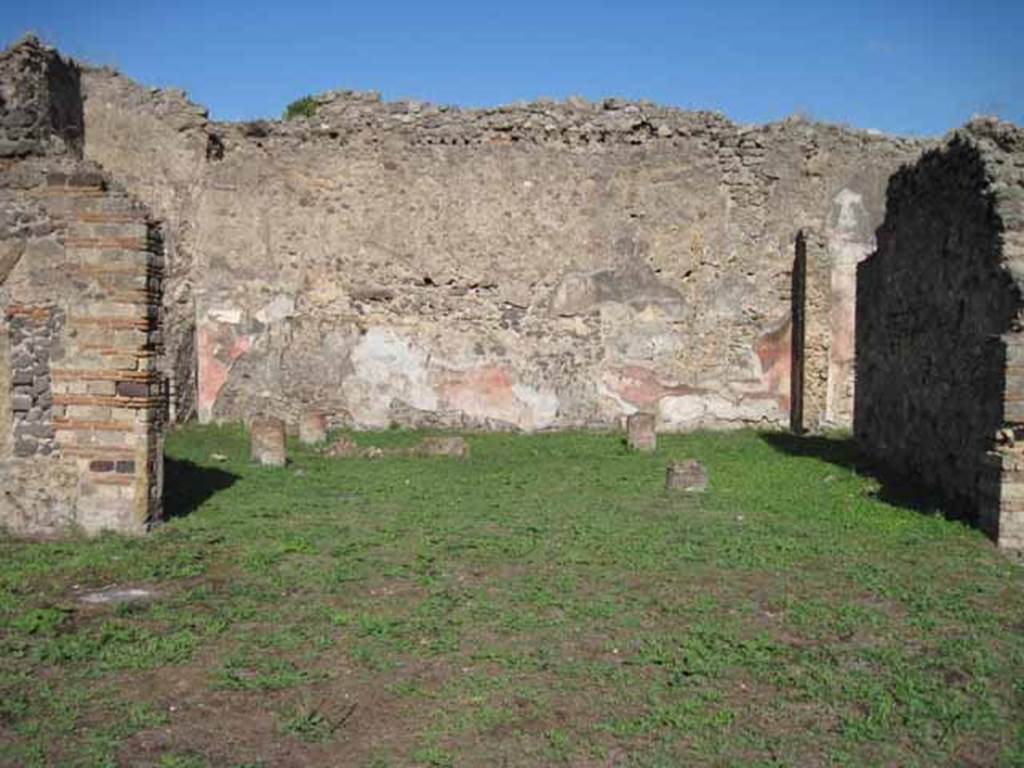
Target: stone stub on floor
x=313 y=428
x=267 y=446
x=686 y=475
x=641 y=434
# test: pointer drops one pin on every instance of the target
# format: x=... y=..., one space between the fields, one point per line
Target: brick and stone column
x=81 y=292
x=108 y=400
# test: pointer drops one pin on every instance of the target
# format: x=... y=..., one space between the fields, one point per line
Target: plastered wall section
x=539 y=266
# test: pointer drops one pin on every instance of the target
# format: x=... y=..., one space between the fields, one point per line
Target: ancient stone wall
x=32 y=333
x=40 y=102
x=535 y=266
x=939 y=327
x=82 y=407
x=155 y=143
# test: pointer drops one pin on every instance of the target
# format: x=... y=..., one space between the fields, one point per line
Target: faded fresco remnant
x=539 y=266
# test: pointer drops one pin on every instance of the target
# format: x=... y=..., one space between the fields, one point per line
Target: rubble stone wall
x=537 y=266
x=40 y=101
x=82 y=401
x=32 y=332
x=939 y=388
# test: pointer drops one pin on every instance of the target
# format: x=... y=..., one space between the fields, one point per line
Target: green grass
x=544 y=603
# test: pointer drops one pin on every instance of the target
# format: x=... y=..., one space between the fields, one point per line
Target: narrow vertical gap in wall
x=798 y=313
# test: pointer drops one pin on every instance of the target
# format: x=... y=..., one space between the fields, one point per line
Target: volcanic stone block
x=686 y=475
x=442 y=446
x=640 y=433
x=42 y=111
x=343 y=447
x=312 y=428
x=21 y=403
x=267 y=446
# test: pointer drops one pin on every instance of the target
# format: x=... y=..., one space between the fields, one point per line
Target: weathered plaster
x=851 y=239
x=404 y=262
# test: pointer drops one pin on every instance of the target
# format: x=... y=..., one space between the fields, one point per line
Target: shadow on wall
x=844 y=452
x=188 y=485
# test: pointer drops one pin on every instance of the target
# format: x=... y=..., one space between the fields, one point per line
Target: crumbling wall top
x=346 y=114
x=1001 y=147
x=40 y=101
x=342 y=117
x=990 y=153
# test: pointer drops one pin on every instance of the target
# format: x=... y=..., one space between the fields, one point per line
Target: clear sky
x=897 y=66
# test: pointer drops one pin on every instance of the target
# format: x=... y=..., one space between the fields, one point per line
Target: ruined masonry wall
x=40 y=102
x=82 y=404
x=32 y=333
x=546 y=265
x=81 y=311
x=939 y=382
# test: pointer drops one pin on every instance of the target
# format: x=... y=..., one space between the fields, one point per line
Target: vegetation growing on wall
x=304 y=107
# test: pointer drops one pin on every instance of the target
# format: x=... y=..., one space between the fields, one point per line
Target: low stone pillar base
x=686 y=475
x=267 y=445
x=312 y=428
x=640 y=432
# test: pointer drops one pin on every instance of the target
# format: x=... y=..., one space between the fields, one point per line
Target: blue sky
x=902 y=67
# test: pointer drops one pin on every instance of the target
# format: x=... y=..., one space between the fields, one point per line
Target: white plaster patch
x=117 y=595
x=227 y=315
x=710 y=411
x=540 y=407
x=279 y=308
x=681 y=411
x=747 y=411
x=851 y=209
x=850 y=236
x=388 y=367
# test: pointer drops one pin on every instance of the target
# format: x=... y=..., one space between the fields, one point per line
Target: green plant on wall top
x=304 y=107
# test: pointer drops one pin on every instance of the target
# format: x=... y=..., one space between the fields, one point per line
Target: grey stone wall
x=542 y=265
x=40 y=102
x=32 y=335
x=938 y=305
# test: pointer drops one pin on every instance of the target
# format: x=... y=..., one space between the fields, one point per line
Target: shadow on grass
x=844 y=452
x=188 y=485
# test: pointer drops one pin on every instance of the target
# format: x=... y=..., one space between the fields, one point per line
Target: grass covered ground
x=543 y=603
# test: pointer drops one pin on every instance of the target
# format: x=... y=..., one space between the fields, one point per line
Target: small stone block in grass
x=267 y=442
x=312 y=428
x=686 y=475
x=442 y=446
x=640 y=432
